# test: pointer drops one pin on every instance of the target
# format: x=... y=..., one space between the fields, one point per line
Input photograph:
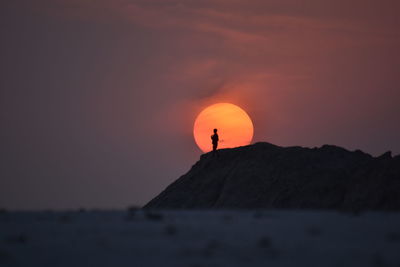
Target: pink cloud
x=277 y=59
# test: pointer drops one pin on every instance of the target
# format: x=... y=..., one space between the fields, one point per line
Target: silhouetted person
x=215 y=140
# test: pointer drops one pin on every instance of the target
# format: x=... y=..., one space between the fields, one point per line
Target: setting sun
x=235 y=127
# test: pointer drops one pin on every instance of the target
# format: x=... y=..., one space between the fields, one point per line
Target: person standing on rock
x=215 y=140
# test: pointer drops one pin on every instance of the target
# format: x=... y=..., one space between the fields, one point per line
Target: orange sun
x=235 y=127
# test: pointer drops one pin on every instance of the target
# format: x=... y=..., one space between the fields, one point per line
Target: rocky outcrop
x=268 y=176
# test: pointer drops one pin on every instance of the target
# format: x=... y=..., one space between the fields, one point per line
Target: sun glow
x=235 y=127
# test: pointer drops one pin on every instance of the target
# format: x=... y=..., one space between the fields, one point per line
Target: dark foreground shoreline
x=199 y=238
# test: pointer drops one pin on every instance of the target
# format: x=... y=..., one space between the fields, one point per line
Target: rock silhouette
x=264 y=175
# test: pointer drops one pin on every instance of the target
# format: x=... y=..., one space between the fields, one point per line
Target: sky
x=98 y=98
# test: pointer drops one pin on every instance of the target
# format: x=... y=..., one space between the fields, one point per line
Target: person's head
x=215 y=130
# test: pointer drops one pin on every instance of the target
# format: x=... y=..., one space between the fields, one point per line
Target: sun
x=235 y=127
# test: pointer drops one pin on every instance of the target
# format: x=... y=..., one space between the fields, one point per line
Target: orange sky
x=106 y=92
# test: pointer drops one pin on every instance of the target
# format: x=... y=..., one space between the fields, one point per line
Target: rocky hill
x=268 y=176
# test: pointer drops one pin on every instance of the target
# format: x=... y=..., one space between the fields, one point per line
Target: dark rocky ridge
x=268 y=176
